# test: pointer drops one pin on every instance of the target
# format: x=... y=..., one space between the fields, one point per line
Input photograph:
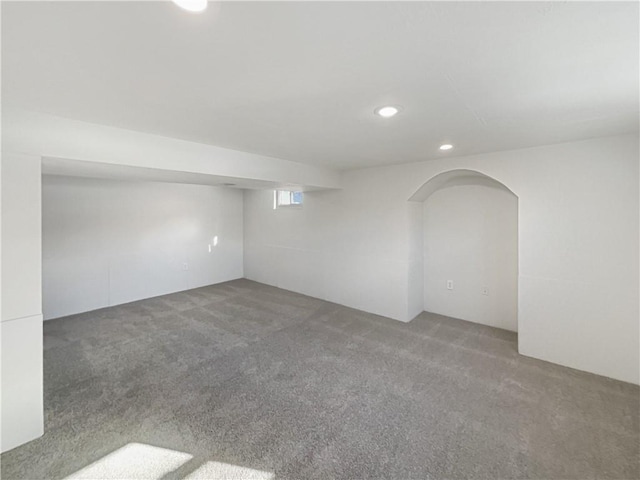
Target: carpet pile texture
x=243 y=380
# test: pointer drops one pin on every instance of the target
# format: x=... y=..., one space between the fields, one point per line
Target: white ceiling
x=300 y=80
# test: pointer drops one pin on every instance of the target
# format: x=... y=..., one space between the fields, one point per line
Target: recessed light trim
x=387 y=111
x=446 y=146
x=195 y=6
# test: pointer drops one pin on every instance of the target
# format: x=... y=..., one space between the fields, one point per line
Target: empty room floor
x=245 y=380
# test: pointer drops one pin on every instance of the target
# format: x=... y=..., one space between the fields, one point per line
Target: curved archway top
x=454 y=178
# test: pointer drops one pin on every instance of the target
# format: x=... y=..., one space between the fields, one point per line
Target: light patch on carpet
x=226 y=471
x=133 y=461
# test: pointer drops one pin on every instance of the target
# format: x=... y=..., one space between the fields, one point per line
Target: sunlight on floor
x=225 y=471
x=134 y=460
x=139 y=461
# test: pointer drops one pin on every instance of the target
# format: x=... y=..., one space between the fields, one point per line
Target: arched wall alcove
x=469 y=234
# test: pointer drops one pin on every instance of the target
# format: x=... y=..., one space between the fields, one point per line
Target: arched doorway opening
x=470 y=248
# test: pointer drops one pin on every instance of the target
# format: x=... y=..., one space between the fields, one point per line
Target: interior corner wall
x=578 y=246
x=108 y=242
x=21 y=415
x=345 y=246
x=415 y=267
x=471 y=239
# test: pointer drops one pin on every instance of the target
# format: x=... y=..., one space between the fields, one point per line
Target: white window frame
x=284 y=199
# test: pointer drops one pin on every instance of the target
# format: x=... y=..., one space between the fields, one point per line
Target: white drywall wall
x=340 y=246
x=21 y=323
x=471 y=239
x=21 y=241
x=578 y=231
x=107 y=242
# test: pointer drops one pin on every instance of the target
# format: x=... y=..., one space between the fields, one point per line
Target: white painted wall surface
x=579 y=247
x=21 y=418
x=21 y=240
x=340 y=246
x=471 y=238
x=22 y=381
x=108 y=242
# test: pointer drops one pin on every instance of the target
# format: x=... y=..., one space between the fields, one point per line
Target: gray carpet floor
x=245 y=380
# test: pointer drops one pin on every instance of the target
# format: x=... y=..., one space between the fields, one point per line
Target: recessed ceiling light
x=387 y=111
x=446 y=146
x=192 y=5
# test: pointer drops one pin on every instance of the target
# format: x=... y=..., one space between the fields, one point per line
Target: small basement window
x=287 y=198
